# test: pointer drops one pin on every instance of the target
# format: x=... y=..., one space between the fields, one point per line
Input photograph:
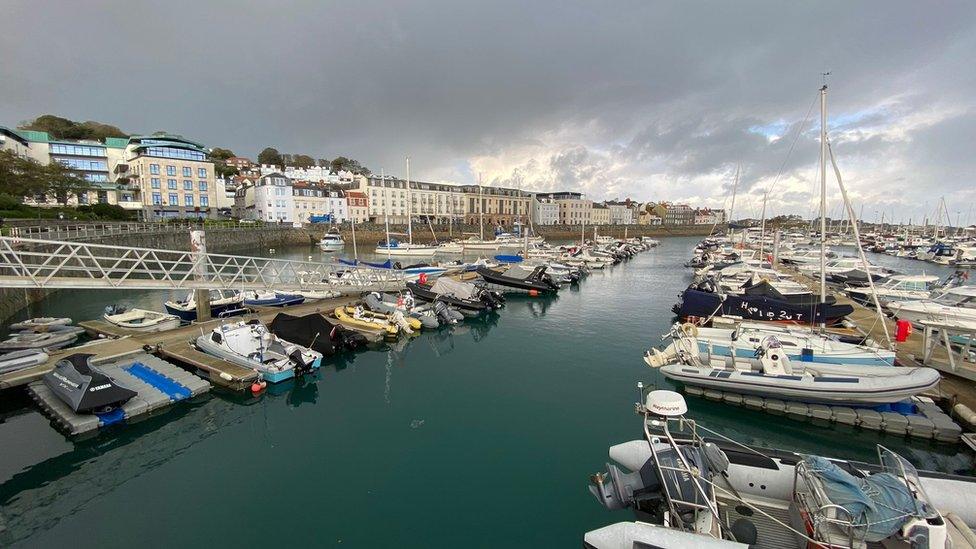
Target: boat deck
x=158 y=385
x=173 y=344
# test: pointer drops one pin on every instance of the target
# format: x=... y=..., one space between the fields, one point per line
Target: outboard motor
x=300 y=366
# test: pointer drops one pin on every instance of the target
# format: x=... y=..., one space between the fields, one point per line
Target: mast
x=352 y=218
x=735 y=186
x=481 y=209
x=386 y=215
x=409 y=205
x=823 y=193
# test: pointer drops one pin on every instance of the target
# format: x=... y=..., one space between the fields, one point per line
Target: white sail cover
x=456 y=288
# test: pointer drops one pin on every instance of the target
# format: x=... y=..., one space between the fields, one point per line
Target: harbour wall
x=256 y=240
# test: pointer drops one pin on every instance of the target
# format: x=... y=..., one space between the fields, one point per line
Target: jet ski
x=85 y=388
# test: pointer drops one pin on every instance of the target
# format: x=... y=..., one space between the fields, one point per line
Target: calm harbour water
x=480 y=436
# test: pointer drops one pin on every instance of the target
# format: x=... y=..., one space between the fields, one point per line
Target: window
x=77 y=150
x=157 y=198
x=87 y=165
x=170 y=170
x=187 y=171
x=202 y=173
x=83 y=197
x=155 y=182
x=174 y=199
x=188 y=200
x=204 y=201
x=154 y=169
x=179 y=154
x=171 y=184
x=187 y=185
x=203 y=185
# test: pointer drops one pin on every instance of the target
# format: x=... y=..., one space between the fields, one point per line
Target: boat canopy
x=460 y=290
x=879 y=504
x=509 y=258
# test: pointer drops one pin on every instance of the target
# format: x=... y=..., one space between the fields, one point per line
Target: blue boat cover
x=879 y=503
x=352 y=262
x=509 y=258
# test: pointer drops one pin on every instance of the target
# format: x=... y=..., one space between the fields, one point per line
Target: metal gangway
x=34 y=263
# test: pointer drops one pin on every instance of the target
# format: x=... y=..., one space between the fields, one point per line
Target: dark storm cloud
x=652 y=99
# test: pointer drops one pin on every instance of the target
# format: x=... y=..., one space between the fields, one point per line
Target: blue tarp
x=353 y=262
x=509 y=258
x=879 y=503
x=327 y=218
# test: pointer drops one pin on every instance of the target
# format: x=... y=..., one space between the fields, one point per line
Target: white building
x=269 y=199
x=388 y=197
x=545 y=211
x=621 y=213
x=225 y=195
x=318 y=201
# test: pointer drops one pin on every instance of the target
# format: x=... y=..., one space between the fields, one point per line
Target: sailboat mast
x=481 y=209
x=386 y=213
x=823 y=194
x=409 y=205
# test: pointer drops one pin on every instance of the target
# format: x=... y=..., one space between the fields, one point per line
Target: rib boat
x=222 y=304
x=140 y=320
x=470 y=299
x=517 y=278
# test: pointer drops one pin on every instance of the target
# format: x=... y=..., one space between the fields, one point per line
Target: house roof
x=14 y=135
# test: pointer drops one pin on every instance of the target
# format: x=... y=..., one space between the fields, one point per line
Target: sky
x=642 y=99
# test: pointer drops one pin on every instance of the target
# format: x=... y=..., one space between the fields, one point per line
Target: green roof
x=166 y=137
x=116 y=142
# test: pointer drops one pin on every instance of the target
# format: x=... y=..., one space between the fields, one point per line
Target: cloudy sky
x=646 y=99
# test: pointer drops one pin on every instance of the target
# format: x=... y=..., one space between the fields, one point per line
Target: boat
x=393 y=246
x=85 y=388
x=469 y=299
x=517 y=278
x=140 y=320
x=694 y=487
x=799 y=343
x=332 y=241
x=897 y=288
x=45 y=341
x=430 y=315
x=770 y=373
x=222 y=304
x=317 y=333
x=955 y=306
x=254 y=298
x=761 y=302
x=452 y=247
x=313 y=295
x=361 y=319
x=251 y=345
x=18 y=360
x=40 y=324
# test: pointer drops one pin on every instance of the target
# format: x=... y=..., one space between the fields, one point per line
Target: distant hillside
x=62 y=128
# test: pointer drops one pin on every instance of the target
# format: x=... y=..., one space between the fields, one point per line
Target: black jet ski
x=85 y=388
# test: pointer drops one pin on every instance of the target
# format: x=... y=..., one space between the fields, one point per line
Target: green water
x=483 y=436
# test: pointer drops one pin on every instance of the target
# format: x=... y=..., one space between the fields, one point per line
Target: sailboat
x=392 y=246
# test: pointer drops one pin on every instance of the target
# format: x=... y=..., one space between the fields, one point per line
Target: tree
x=21 y=176
x=324 y=162
x=270 y=156
x=63 y=128
x=218 y=154
x=303 y=161
x=341 y=163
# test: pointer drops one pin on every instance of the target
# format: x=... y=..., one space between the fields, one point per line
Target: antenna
x=823 y=78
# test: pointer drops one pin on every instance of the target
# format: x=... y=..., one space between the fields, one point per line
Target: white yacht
x=953 y=306
x=898 y=288
x=332 y=241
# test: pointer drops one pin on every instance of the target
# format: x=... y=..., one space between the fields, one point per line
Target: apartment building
x=172 y=176
x=495 y=205
x=314 y=199
x=545 y=211
x=270 y=198
x=386 y=197
x=240 y=163
x=600 y=215
x=621 y=213
x=358 y=204
x=709 y=216
x=678 y=214
x=574 y=209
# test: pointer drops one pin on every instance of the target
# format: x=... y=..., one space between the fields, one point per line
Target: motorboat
x=517 y=278
x=45 y=341
x=469 y=299
x=453 y=247
x=314 y=295
x=317 y=333
x=140 y=320
x=251 y=345
x=799 y=343
x=393 y=246
x=19 y=360
x=804 y=257
x=771 y=373
x=40 y=324
x=253 y=298
x=332 y=241
x=954 y=306
x=897 y=288
x=415 y=271
x=431 y=315
x=691 y=486
x=760 y=302
x=359 y=318
x=85 y=388
x=222 y=304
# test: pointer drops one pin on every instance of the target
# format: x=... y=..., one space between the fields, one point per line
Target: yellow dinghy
x=407 y=324
x=357 y=319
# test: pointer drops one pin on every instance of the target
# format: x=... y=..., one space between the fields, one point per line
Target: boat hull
x=707 y=304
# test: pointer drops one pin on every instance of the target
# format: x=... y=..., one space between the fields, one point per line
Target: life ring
x=689 y=329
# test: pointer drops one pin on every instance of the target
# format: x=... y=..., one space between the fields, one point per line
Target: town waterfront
x=482 y=435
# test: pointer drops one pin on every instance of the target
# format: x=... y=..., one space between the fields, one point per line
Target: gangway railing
x=34 y=263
